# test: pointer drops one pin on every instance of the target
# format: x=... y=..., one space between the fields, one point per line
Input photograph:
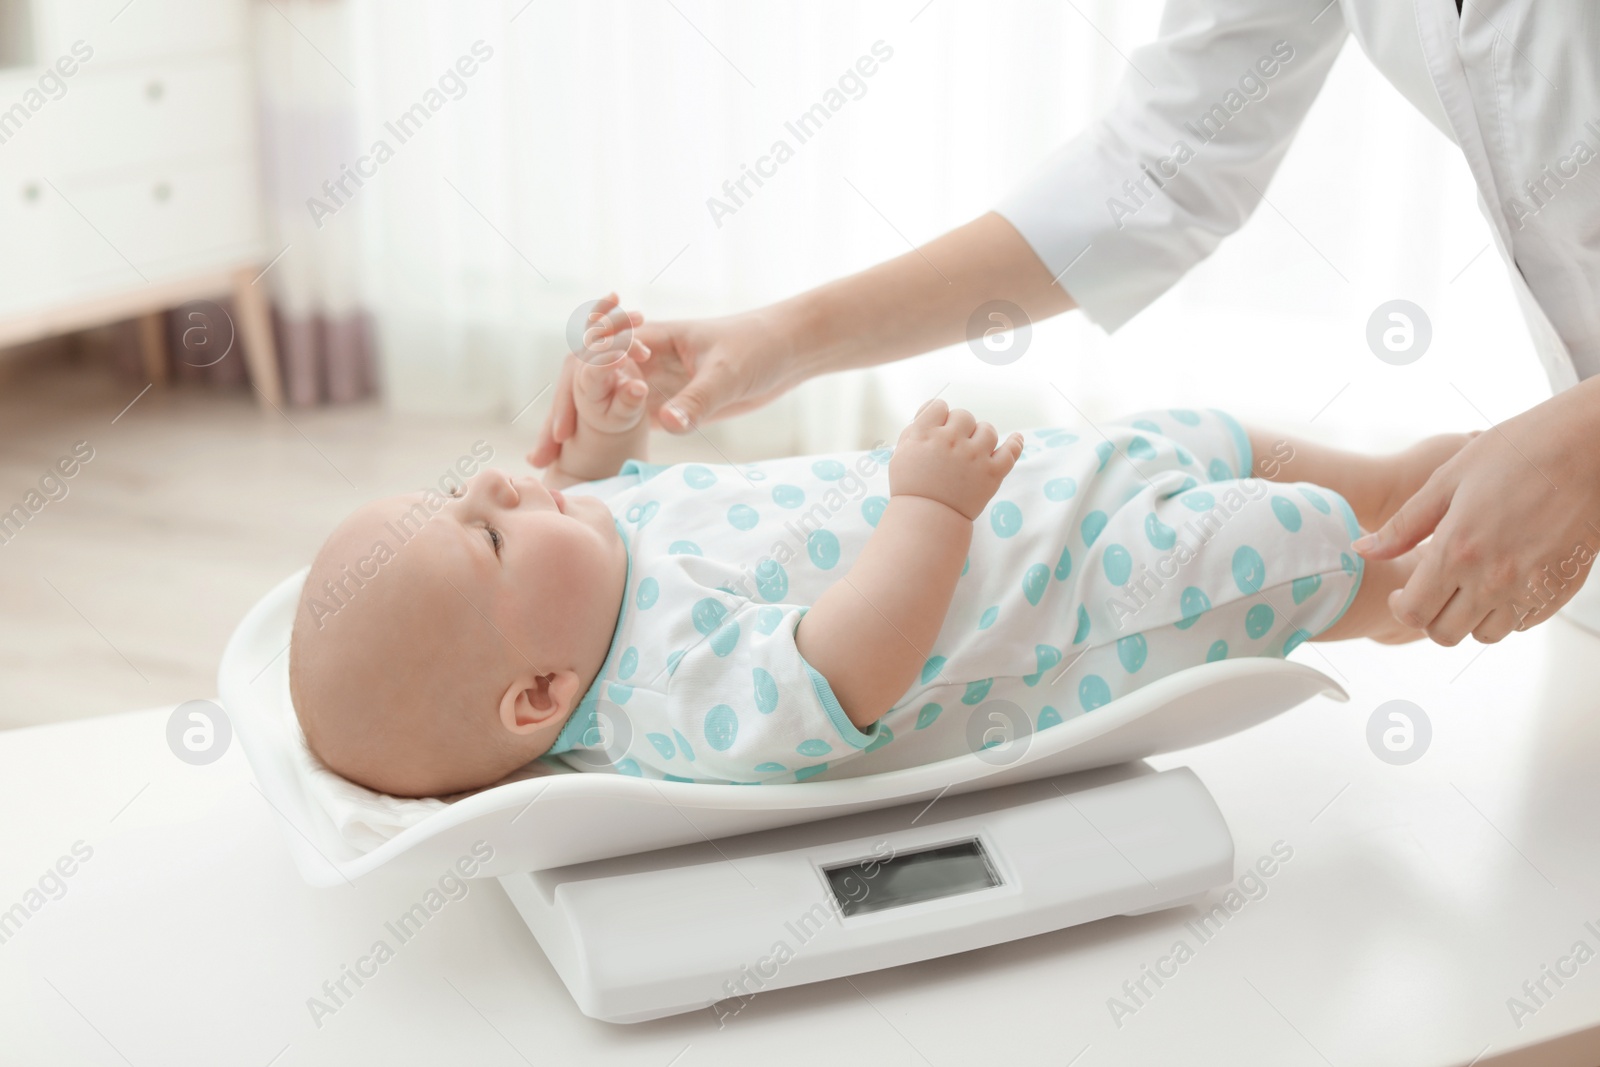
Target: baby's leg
x=1369 y=615
x=1375 y=486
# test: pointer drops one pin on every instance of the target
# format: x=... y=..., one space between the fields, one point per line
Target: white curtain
x=580 y=153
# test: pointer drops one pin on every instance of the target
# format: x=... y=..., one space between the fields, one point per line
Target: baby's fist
x=949 y=456
x=609 y=398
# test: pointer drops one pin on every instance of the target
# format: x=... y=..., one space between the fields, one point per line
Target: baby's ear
x=534 y=701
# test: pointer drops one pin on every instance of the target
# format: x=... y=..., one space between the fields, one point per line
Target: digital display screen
x=911 y=877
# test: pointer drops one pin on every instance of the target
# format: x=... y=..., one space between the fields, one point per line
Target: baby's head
x=441 y=641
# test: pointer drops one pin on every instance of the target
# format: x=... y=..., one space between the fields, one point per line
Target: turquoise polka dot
x=1064 y=564
x=1148 y=425
x=725 y=638
x=788 y=496
x=1347 y=563
x=829 y=470
x=986 y=620
x=1194 y=603
x=1185 y=416
x=629 y=767
x=1118 y=563
x=1159 y=533
x=1198 y=500
x=1083 y=625
x=1093 y=692
x=1218 y=650
x=1287 y=513
x=1049 y=717
x=823 y=548
x=772 y=581
x=1033 y=582
x=813 y=747
x=1182 y=454
x=643 y=513
x=721 y=727
x=766 y=691
x=1219 y=471
x=649 y=590
x=628 y=663
x=1044 y=657
x=1093 y=523
x=1183 y=486
x=684 y=548
x=1139 y=448
x=872 y=509
x=1249 y=569
x=1294 y=640
x=976 y=691
x=754 y=473
x=698 y=477
x=1132 y=651
x=809 y=772
x=965 y=563
x=707 y=614
x=1302 y=588
x=675 y=778
x=931 y=668
x=618 y=692
x=1316 y=499
x=769 y=767
x=881 y=455
x=885 y=735
x=927 y=715
x=743 y=516
x=767 y=619
x=663 y=744
x=683 y=746
x=1258 y=620
x=1006 y=518
x=673 y=658
x=1060 y=488
x=1103 y=450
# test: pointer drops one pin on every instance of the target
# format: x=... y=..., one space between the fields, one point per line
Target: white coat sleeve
x=1184 y=153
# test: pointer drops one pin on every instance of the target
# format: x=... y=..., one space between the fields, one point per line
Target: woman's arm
x=711 y=368
x=870 y=633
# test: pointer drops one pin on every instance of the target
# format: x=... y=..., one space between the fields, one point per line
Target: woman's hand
x=949 y=456
x=1515 y=519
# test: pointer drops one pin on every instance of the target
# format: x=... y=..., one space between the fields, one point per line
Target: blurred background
x=263 y=259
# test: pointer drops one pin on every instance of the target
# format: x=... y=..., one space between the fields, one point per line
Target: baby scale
x=653 y=898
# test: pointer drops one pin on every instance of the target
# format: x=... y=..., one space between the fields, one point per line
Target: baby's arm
x=608 y=393
x=870 y=633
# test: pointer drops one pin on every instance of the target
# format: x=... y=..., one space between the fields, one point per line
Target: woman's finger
x=1462 y=614
x=1425 y=593
x=1411 y=525
x=1497 y=624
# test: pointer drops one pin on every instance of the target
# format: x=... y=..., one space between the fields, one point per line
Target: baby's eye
x=495 y=539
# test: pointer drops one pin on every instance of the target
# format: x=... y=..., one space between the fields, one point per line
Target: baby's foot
x=1403 y=473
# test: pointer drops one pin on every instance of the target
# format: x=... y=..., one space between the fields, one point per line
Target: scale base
x=660 y=933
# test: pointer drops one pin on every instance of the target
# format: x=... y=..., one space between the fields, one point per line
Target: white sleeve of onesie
x=745 y=706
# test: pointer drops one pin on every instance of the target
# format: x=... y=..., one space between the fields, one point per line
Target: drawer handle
x=161 y=191
x=155 y=90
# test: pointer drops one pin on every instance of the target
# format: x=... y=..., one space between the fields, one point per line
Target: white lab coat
x=1514 y=83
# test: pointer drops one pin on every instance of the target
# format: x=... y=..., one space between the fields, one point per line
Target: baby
x=764 y=622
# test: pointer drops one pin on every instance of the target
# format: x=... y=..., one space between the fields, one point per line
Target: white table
x=1417 y=900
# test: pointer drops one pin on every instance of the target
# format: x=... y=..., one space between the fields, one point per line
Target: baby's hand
x=609 y=398
x=950 y=457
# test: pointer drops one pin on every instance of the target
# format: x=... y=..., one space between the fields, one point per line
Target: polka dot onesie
x=1099 y=565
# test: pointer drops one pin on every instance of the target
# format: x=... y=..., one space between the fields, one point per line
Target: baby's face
x=527 y=556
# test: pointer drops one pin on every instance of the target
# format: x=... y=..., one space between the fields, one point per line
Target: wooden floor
x=121 y=594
